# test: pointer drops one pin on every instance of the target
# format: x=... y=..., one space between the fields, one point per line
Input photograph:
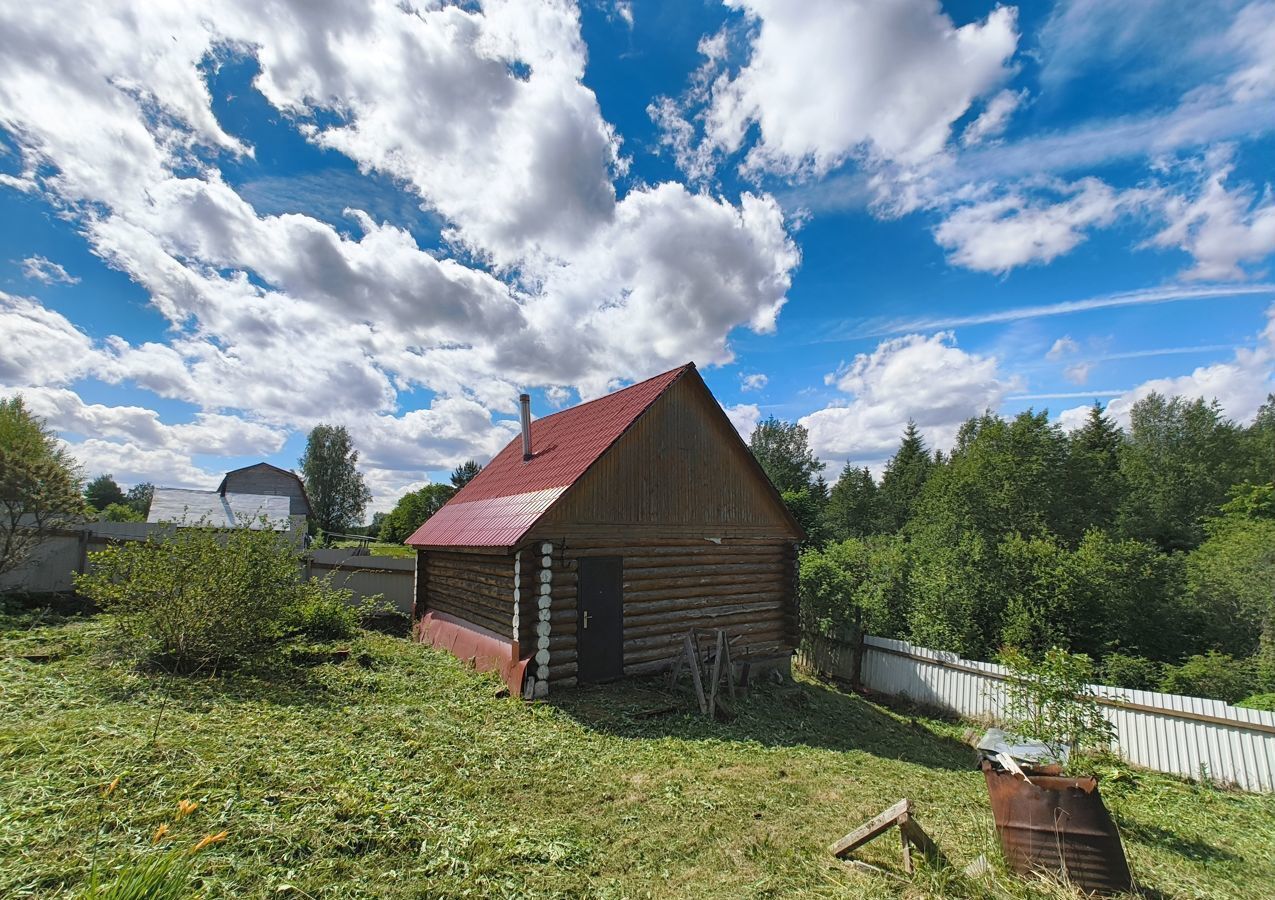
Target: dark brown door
x=600 y=628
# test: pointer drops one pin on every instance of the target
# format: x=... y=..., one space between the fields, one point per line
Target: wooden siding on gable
x=680 y=468
x=266 y=481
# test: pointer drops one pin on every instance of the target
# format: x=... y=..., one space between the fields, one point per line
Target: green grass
x=379 y=548
x=399 y=773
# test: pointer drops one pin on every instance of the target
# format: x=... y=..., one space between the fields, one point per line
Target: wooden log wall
x=476 y=587
x=746 y=586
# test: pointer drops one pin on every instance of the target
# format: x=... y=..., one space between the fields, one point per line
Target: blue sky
x=221 y=228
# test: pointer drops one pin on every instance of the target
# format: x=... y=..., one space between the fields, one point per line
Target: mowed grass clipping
x=397 y=772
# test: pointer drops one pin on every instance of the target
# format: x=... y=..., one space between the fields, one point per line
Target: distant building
x=218 y=509
x=263 y=478
x=246 y=494
x=585 y=550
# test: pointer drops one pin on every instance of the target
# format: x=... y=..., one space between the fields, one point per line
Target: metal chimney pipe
x=524 y=400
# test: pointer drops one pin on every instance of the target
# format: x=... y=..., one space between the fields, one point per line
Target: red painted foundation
x=485 y=649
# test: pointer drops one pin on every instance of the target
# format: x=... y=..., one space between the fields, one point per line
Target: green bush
x=1128 y=671
x=324 y=612
x=198 y=599
x=1265 y=702
x=855 y=580
x=1214 y=675
x=1050 y=699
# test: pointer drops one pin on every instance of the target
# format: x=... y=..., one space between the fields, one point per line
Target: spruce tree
x=1095 y=486
x=905 y=476
x=852 y=506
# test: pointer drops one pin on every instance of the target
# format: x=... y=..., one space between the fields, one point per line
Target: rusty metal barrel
x=1058 y=825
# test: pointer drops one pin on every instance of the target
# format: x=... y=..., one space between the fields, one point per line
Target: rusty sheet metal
x=1058 y=825
x=472 y=643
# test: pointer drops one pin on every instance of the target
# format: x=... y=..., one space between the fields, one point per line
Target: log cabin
x=590 y=544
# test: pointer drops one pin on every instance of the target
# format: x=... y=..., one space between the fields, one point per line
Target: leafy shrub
x=120 y=512
x=1050 y=699
x=863 y=581
x=324 y=612
x=197 y=599
x=1128 y=671
x=1214 y=674
x=1264 y=702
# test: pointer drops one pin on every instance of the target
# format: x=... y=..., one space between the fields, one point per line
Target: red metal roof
x=507 y=497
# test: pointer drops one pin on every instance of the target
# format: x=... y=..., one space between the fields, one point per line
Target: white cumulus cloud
x=927 y=379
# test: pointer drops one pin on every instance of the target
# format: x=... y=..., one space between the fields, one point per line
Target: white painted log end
x=544 y=590
x=542 y=643
x=546 y=576
x=542 y=629
x=542 y=672
x=545 y=614
x=541 y=690
x=542 y=657
x=546 y=562
x=546 y=548
x=544 y=601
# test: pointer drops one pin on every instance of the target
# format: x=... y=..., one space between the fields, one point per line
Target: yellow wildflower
x=209 y=840
x=110 y=788
x=186 y=807
x=159 y=833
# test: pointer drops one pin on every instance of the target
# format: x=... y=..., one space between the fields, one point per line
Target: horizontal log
x=664 y=572
x=468 y=601
x=482 y=559
x=705 y=584
x=503 y=572
x=770 y=609
x=649 y=667
x=677 y=548
x=562 y=657
x=471 y=615
x=503 y=584
x=469 y=589
x=503 y=592
x=739 y=624
x=617 y=537
x=721 y=592
x=562 y=676
x=639 y=606
x=741 y=634
x=667 y=653
x=494 y=565
x=758 y=557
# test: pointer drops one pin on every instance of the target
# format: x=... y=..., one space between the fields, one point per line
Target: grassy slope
x=398 y=773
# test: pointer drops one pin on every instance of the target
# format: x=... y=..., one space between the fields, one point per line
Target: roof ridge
x=616 y=393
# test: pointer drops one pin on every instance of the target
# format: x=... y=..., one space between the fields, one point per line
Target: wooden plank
x=871 y=829
x=692 y=657
x=720 y=650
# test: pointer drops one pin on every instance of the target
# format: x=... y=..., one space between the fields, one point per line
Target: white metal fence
x=52 y=567
x=1188 y=736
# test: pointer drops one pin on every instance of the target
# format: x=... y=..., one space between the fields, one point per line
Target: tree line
x=1151 y=550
